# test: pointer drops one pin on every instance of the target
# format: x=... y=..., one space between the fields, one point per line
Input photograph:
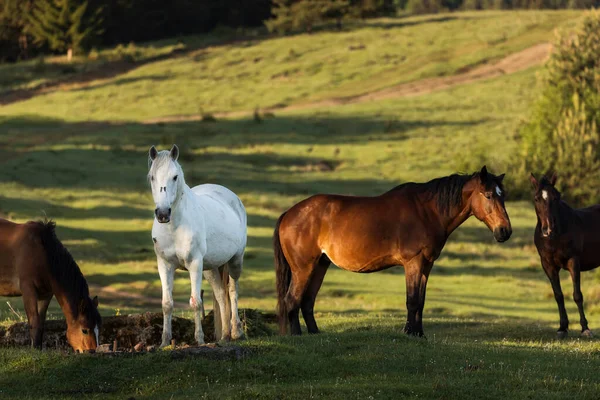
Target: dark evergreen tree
x=64 y=24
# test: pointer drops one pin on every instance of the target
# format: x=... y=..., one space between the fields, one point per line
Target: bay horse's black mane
x=63 y=267
x=447 y=190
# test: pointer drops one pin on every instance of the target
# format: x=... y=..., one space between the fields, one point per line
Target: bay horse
x=201 y=230
x=406 y=226
x=35 y=264
x=566 y=238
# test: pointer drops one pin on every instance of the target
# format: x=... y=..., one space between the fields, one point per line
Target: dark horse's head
x=546 y=199
x=487 y=204
x=83 y=328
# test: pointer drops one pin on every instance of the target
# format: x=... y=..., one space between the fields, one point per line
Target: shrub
x=568 y=107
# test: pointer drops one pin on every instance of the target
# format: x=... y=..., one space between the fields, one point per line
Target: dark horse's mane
x=447 y=190
x=63 y=267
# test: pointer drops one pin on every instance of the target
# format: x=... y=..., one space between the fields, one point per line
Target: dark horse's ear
x=95 y=301
x=174 y=152
x=553 y=179
x=500 y=178
x=534 y=182
x=152 y=156
x=483 y=175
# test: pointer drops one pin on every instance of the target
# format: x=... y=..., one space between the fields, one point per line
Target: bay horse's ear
x=534 y=182
x=553 y=179
x=95 y=301
x=174 y=152
x=151 y=156
x=500 y=177
x=483 y=174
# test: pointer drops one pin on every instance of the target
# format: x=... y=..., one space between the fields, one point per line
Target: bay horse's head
x=83 y=329
x=487 y=204
x=546 y=199
x=165 y=176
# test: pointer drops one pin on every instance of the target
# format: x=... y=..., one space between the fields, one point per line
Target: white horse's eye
x=152 y=178
x=175 y=178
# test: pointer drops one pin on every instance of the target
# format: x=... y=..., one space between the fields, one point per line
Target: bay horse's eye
x=175 y=178
x=85 y=331
x=488 y=195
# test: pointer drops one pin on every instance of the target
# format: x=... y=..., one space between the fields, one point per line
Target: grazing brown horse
x=565 y=238
x=407 y=226
x=35 y=264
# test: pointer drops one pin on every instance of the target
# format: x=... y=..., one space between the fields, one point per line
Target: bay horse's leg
x=308 y=300
x=166 y=273
x=298 y=285
x=422 y=292
x=235 y=270
x=414 y=270
x=33 y=317
x=575 y=271
x=553 y=275
x=213 y=276
x=42 y=306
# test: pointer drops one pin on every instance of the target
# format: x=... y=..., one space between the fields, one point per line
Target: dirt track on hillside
x=515 y=62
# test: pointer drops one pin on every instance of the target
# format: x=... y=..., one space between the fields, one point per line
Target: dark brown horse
x=35 y=264
x=408 y=226
x=565 y=238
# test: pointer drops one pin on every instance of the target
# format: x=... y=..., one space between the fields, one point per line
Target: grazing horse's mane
x=63 y=267
x=447 y=190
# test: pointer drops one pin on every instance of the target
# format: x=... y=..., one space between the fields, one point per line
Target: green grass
x=242 y=75
x=490 y=315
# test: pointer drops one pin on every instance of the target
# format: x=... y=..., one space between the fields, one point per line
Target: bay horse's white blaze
x=200 y=229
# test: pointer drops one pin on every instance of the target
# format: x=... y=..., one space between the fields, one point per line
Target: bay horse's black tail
x=283 y=278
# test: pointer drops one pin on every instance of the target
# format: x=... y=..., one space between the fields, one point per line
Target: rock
x=104 y=348
x=139 y=347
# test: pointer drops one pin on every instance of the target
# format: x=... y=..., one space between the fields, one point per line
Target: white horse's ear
x=174 y=152
x=151 y=156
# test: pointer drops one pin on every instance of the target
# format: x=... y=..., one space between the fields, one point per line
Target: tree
x=64 y=24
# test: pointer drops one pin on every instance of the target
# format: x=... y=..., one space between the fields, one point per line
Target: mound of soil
x=141 y=330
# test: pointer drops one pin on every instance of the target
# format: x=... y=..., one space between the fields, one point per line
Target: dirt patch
x=516 y=62
x=141 y=330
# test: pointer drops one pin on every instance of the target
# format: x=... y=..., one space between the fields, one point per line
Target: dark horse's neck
x=68 y=284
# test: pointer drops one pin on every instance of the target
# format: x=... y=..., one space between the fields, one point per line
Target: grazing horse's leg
x=195 y=270
x=308 y=300
x=213 y=276
x=42 y=306
x=553 y=275
x=166 y=273
x=422 y=291
x=235 y=270
x=33 y=317
x=414 y=271
x=574 y=270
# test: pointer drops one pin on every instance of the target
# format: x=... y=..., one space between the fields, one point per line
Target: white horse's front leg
x=195 y=268
x=213 y=276
x=166 y=273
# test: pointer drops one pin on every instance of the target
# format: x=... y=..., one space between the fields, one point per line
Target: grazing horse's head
x=547 y=202
x=166 y=178
x=487 y=204
x=83 y=329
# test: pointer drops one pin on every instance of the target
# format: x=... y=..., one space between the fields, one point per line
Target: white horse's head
x=166 y=179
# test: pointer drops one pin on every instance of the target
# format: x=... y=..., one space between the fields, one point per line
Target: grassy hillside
x=80 y=156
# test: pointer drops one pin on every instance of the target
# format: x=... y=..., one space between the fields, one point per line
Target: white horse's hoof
x=238 y=336
x=562 y=334
x=587 y=333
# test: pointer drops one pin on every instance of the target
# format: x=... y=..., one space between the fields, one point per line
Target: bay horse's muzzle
x=502 y=234
x=163 y=216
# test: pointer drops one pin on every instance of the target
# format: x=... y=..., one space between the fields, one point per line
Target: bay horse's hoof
x=587 y=333
x=562 y=334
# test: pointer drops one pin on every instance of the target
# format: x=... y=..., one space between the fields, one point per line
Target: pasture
x=77 y=152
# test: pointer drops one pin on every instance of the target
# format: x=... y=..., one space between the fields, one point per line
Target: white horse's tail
x=217 y=310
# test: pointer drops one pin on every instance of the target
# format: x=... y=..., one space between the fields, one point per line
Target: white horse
x=201 y=230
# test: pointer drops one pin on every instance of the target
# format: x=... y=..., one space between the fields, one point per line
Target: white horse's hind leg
x=166 y=279
x=213 y=276
x=235 y=270
x=195 y=269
